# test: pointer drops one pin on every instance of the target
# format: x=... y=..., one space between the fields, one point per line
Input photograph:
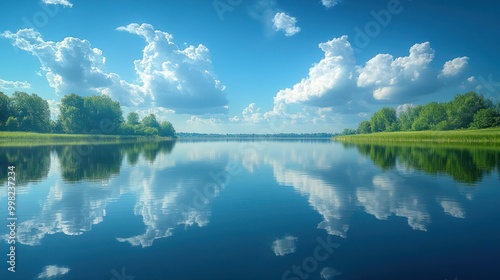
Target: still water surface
x=253 y=210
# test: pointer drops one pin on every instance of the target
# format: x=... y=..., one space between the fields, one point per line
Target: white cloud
x=393 y=79
x=330 y=3
x=454 y=67
x=58 y=2
x=203 y=121
x=285 y=245
x=53 y=271
x=252 y=114
x=285 y=23
x=54 y=108
x=179 y=79
x=328 y=81
x=73 y=65
x=8 y=85
x=338 y=83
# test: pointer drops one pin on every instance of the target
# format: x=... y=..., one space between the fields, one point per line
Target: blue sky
x=241 y=66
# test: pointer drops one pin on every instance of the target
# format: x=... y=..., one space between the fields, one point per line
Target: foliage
x=469 y=110
x=484 y=118
x=4 y=109
x=31 y=111
x=364 y=127
x=97 y=114
x=384 y=120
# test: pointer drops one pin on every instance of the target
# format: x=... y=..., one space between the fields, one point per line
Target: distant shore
x=471 y=136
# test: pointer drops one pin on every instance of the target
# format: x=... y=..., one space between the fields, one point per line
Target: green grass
x=35 y=139
x=472 y=136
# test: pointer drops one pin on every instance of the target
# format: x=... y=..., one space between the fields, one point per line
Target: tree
x=432 y=116
x=12 y=124
x=5 y=109
x=348 y=131
x=72 y=114
x=150 y=121
x=166 y=129
x=87 y=114
x=407 y=118
x=31 y=111
x=133 y=118
x=364 y=127
x=484 y=118
x=461 y=110
x=100 y=108
x=384 y=120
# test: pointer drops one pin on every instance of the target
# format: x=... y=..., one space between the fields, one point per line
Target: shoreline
x=10 y=139
x=464 y=136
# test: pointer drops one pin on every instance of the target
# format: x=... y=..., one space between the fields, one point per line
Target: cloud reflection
x=285 y=245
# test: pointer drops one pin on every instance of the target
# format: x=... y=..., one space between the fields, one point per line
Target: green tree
x=462 y=109
x=407 y=118
x=73 y=116
x=12 y=124
x=384 y=120
x=133 y=118
x=101 y=108
x=87 y=114
x=364 y=127
x=166 y=129
x=150 y=121
x=4 y=109
x=31 y=111
x=484 y=118
x=431 y=116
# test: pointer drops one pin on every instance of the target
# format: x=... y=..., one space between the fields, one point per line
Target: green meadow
x=475 y=136
x=8 y=138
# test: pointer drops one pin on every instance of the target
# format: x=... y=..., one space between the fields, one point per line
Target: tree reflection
x=31 y=163
x=463 y=164
x=100 y=162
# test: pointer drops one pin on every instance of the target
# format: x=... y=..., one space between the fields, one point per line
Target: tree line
x=78 y=115
x=469 y=110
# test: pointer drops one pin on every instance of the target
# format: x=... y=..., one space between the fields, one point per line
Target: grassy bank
x=32 y=138
x=472 y=136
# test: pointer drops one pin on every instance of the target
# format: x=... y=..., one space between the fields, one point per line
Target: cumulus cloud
x=203 y=121
x=53 y=271
x=73 y=65
x=339 y=83
x=455 y=67
x=330 y=3
x=285 y=23
x=8 y=85
x=390 y=78
x=65 y=3
x=179 y=79
x=285 y=245
x=328 y=81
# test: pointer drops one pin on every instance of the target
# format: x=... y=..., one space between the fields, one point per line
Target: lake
x=252 y=210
